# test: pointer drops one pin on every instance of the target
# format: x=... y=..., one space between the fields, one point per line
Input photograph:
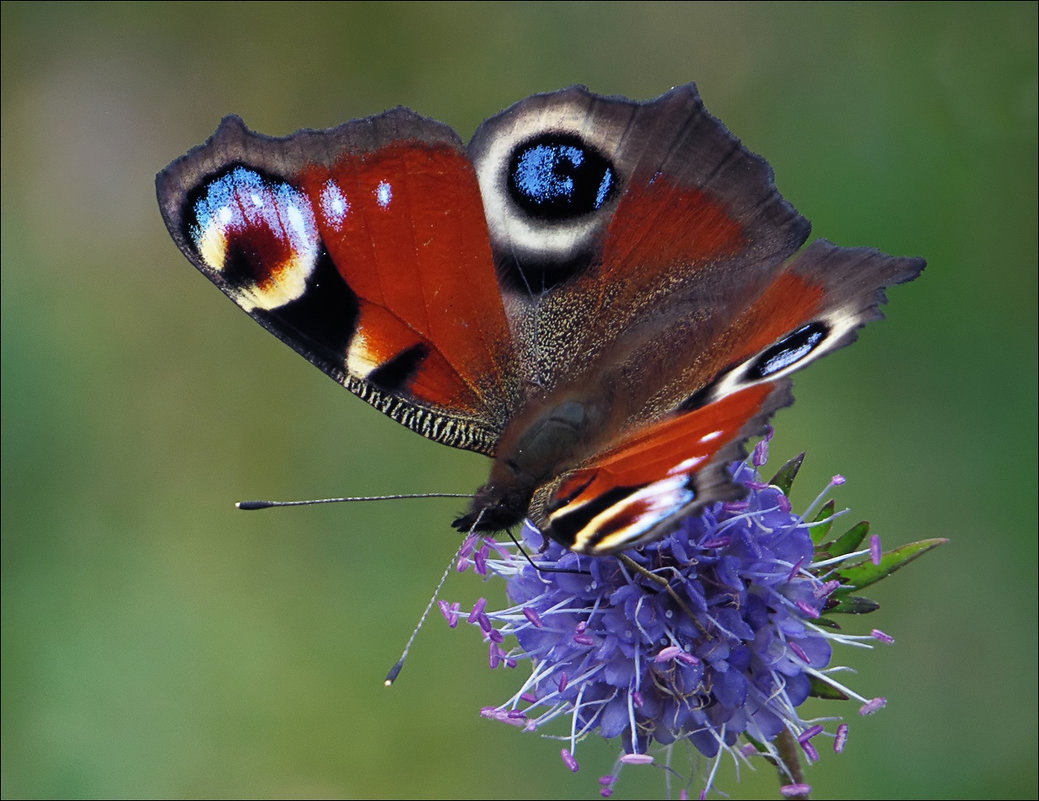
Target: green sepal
x=761 y=748
x=821 y=529
x=784 y=477
x=849 y=540
x=820 y=689
x=756 y=743
x=825 y=622
x=863 y=574
x=851 y=605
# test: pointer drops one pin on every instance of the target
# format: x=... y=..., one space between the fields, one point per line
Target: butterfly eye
x=558 y=177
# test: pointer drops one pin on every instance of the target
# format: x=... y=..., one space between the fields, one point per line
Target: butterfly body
x=600 y=294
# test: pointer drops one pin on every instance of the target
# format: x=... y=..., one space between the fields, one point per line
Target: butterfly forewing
x=365 y=249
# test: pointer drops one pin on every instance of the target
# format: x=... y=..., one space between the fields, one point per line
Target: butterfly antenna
x=251 y=505
x=399 y=665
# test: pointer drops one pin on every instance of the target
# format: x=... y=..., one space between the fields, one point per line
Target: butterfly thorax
x=535 y=448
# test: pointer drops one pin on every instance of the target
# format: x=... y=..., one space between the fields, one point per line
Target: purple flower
x=721 y=657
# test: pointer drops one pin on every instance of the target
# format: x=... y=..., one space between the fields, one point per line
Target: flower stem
x=790 y=768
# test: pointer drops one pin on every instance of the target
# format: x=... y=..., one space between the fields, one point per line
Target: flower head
x=707 y=636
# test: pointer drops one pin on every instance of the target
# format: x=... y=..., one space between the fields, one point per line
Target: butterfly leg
x=631 y=564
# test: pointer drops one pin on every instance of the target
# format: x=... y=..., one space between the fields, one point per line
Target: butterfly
x=604 y=296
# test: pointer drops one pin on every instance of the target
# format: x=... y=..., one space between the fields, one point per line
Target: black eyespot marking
x=557 y=177
x=565 y=527
x=539 y=273
x=324 y=322
x=701 y=397
x=394 y=374
x=788 y=351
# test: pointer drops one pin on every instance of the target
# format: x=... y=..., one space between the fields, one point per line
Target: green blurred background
x=157 y=643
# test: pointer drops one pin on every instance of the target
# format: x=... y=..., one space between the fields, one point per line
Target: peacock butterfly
x=600 y=294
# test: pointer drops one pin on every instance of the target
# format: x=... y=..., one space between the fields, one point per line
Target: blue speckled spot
x=334 y=204
x=790 y=350
x=558 y=176
x=384 y=194
x=604 y=188
x=540 y=173
x=242 y=200
x=221 y=206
